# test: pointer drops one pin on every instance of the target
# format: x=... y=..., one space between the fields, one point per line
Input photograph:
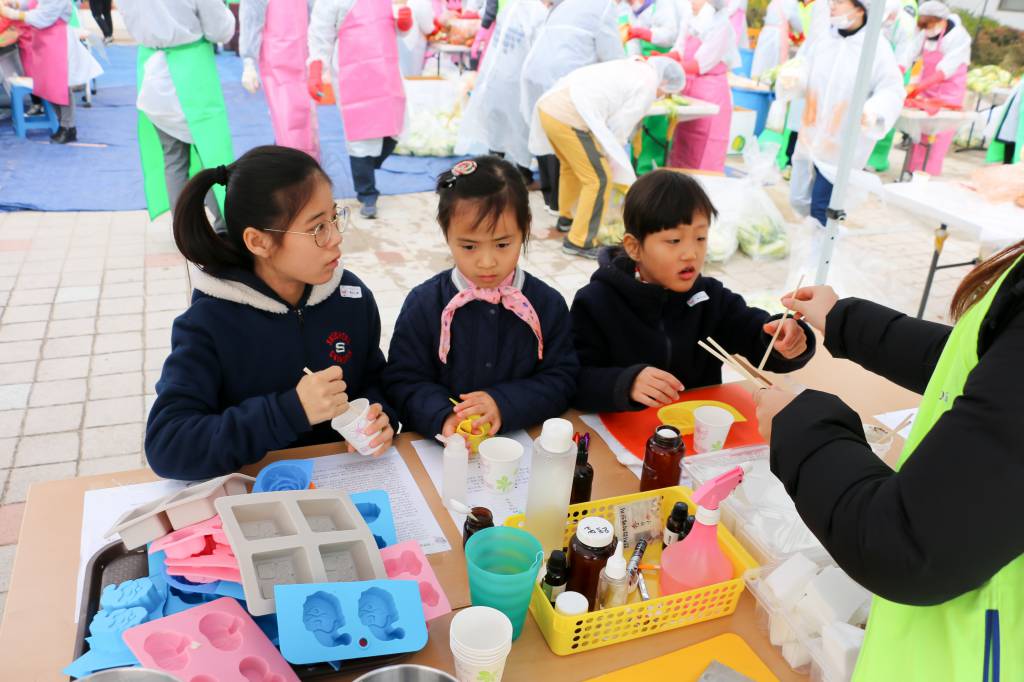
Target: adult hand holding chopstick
x=812 y=304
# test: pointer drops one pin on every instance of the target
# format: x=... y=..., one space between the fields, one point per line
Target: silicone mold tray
x=341 y=621
x=215 y=642
x=375 y=508
x=289 y=474
x=153 y=520
x=406 y=561
x=297 y=536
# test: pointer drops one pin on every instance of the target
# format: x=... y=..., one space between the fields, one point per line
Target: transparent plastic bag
x=761 y=230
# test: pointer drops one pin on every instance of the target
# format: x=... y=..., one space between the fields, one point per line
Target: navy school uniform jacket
x=622 y=325
x=227 y=391
x=492 y=350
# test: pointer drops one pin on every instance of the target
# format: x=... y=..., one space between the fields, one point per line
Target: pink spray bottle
x=697 y=560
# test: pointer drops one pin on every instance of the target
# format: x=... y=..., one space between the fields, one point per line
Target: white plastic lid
x=571 y=604
x=556 y=435
x=456 y=445
x=667 y=433
x=595 y=532
x=616 y=566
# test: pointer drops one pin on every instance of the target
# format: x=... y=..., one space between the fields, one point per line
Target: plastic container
x=551 y=474
x=297 y=536
x=455 y=470
x=590 y=548
x=758 y=100
x=879 y=440
x=406 y=561
x=769 y=525
x=613 y=587
x=746 y=63
x=567 y=635
x=503 y=564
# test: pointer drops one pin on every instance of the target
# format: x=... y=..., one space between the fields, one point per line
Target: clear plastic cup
x=480 y=640
x=711 y=428
x=499 y=463
x=879 y=440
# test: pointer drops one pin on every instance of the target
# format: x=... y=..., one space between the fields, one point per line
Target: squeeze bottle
x=697 y=560
x=547 y=499
x=455 y=470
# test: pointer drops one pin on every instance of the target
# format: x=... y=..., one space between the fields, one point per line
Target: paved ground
x=87 y=301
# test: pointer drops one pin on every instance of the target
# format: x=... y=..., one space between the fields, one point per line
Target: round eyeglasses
x=322 y=232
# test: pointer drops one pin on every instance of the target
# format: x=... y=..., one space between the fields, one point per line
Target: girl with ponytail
x=270 y=300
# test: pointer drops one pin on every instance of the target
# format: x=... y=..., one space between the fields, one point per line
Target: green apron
x=997 y=149
x=654 y=143
x=74 y=21
x=960 y=639
x=194 y=72
x=879 y=160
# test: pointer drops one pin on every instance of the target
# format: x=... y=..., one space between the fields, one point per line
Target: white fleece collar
x=462 y=282
x=236 y=292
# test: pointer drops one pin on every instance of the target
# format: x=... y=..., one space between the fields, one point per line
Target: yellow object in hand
x=680 y=415
x=473 y=440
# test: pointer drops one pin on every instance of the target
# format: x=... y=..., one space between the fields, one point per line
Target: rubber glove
x=924 y=84
x=250 y=77
x=480 y=41
x=438 y=27
x=691 y=67
x=639 y=33
x=403 y=22
x=318 y=83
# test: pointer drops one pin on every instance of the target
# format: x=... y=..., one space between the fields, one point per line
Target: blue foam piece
x=108 y=152
x=341 y=621
x=375 y=508
x=292 y=474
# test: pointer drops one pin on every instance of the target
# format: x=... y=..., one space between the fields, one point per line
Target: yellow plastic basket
x=573 y=634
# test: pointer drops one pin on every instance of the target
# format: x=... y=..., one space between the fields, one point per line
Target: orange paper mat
x=632 y=429
x=686 y=665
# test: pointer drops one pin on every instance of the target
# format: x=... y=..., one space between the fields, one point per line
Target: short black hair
x=663 y=199
x=494 y=186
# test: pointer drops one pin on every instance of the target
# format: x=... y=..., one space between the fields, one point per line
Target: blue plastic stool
x=23 y=123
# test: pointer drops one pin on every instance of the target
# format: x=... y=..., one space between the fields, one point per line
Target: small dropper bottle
x=613 y=586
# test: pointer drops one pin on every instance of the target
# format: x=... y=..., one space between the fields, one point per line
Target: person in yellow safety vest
x=938 y=539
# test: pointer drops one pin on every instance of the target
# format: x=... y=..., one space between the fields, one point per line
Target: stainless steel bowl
x=406 y=673
x=129 y=675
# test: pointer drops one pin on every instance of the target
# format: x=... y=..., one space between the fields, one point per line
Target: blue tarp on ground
x=102 y=173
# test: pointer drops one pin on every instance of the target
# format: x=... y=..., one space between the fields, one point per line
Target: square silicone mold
x=297 y=536
x=155 y=519
x=375 y=508
x=342 y=621
x=406 y=561
x=214 y=642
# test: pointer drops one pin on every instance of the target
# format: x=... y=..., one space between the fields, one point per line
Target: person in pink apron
x=370 y=94
x=736 y=10
x=706 y=48
x=273 y=34
x=944 y=47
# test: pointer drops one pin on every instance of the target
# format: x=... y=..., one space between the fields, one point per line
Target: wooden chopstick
x=718 y=356
x=775 y=336
x=903 y=424
x=729 y=360
x=750 y=368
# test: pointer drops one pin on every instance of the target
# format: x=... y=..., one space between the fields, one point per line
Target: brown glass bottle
x=591 y=546
x=664 y=453
x=484 y=519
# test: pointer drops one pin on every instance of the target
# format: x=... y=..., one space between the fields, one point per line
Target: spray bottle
x=697 y=560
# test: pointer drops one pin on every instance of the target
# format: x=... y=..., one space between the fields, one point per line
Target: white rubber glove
x=250 y=77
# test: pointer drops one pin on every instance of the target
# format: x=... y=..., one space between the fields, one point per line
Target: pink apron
x=370 y=91
x=50 y=63
x=738 y=19
x=25 y=47
x=283 y=70
x=951 y=90
x=701 y=144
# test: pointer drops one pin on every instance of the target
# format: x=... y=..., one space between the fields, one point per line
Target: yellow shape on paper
x=680 y=415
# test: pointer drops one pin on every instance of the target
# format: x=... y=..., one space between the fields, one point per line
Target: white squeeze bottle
x=547 y=501
x=455 y=471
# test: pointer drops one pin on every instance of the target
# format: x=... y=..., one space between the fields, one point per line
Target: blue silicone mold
x=292 y=474
x=340 y=621
x=375 y=508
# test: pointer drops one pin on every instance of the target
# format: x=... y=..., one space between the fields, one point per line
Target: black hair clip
x=467 y=167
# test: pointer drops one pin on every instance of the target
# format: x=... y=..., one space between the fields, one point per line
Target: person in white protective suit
x=780 y=20
x=586 y=120
x=493 y=118
x=653 y=25
x=898 y=30
x=576 y=33
x=412 y=47
x=736 y=11
x=826 y=79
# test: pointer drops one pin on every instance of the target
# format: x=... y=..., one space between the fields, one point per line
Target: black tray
x=114 y=564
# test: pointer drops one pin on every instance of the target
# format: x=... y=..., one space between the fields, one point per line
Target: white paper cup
x=352 y=423
x=499 y=462
x=711 y=428
x=480 y=640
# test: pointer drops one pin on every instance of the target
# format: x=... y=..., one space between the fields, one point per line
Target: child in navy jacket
x=270 y=300
x=485 y=332
x=637 y=323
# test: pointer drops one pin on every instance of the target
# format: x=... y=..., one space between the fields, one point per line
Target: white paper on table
x=501 y=505
x=893 y=419
x=101 y=508
x=355 y=473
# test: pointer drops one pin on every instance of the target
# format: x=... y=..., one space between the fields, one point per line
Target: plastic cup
x=711 y=428
x=879 y=440
x=352 y=423
x=503 y=564
x=480 y=639
x=499 y=462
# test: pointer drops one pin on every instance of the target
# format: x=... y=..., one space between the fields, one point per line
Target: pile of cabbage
x=984 y=79
x=429 y=133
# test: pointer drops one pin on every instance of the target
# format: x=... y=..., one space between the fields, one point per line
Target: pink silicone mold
x=199 y=553
x=214 y=642
x=406 y=561
x=155 y=519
